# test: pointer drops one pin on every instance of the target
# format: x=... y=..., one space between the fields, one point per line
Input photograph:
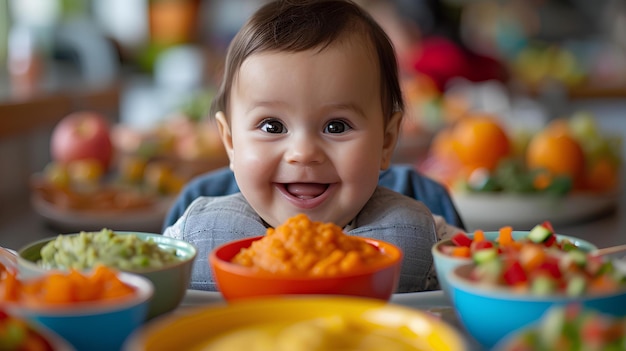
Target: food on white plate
x=481 y=154
x=82 y=135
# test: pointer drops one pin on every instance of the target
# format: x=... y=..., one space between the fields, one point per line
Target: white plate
x=492 y=211
x=69 y=221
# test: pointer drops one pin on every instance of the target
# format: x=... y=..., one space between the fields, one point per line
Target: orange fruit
x=559 y=126
x=480 y=142
x=602 y=175
x=558 y=152
x=442 y=145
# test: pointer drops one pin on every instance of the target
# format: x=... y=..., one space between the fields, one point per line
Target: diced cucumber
x=567 y=245
x=576 y=285
x=539 y=234
x=605 y=268
x=543 y=285
x=489 y=271
x=485 y=255
x=578 y=257
x=552 y=325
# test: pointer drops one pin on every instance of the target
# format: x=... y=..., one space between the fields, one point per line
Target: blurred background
x=150 y=68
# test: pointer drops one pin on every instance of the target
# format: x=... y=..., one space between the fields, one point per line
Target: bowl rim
x=144 y=291
x=54 y=339
x=458 y=281
x=388 y=248
x=436 y=248
x=141 y=335
x=32 y=265
x=508 y=340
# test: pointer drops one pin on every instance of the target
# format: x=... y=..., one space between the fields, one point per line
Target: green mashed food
x=122 y=251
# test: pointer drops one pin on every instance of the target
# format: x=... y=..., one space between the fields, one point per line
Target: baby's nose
x=304 y=150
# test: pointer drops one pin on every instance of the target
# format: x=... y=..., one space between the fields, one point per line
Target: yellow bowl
x=307 y=319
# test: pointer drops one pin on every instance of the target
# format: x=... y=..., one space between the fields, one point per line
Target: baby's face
x=306 y=132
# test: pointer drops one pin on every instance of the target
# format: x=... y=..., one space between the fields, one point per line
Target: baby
x=309 y=111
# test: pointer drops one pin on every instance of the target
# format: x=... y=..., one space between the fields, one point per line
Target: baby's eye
x=272 y=126
x=336 y=127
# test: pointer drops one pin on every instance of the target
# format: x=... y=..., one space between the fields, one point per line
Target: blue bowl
x=95 y=326
x=170 y=281
x=446 y=263
x=490 y=313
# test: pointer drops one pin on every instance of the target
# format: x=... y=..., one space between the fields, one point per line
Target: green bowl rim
x=32 y=265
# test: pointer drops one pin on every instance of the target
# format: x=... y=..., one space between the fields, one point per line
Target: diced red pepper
x=515 y=274
x=461 y=239
x=572 y=311
x=479 y=245
x=551 y=240
x=548 y=225
x=592 y=330
x=550 y=267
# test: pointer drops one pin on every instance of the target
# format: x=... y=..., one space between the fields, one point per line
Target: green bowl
x=170 y=282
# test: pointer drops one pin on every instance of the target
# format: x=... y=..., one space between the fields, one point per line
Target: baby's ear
x=392 y=131
x=225 y=134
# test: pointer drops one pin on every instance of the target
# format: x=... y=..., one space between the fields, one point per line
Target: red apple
x=82 y=135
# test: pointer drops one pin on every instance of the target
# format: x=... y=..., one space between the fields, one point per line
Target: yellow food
x=304 y=247
x=325 y=333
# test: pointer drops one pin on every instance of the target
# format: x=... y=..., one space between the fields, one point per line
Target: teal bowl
x=445 y=263
x=94 y=326
x=490 y=313
x=170 y=281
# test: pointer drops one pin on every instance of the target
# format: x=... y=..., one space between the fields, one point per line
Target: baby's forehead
x=348 y=43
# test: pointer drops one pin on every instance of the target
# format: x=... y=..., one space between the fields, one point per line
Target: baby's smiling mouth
x=305 y=191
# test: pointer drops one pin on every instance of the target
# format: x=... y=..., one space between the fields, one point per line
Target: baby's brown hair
x=294 y=26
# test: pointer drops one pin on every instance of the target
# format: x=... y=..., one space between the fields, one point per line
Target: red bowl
x=237 y=282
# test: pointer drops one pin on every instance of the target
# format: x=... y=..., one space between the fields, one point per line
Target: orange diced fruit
x=57 y=289
x=479 y=235
x=531 y=256
x=505 y=236
x=11 y=287
x=461 y=251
